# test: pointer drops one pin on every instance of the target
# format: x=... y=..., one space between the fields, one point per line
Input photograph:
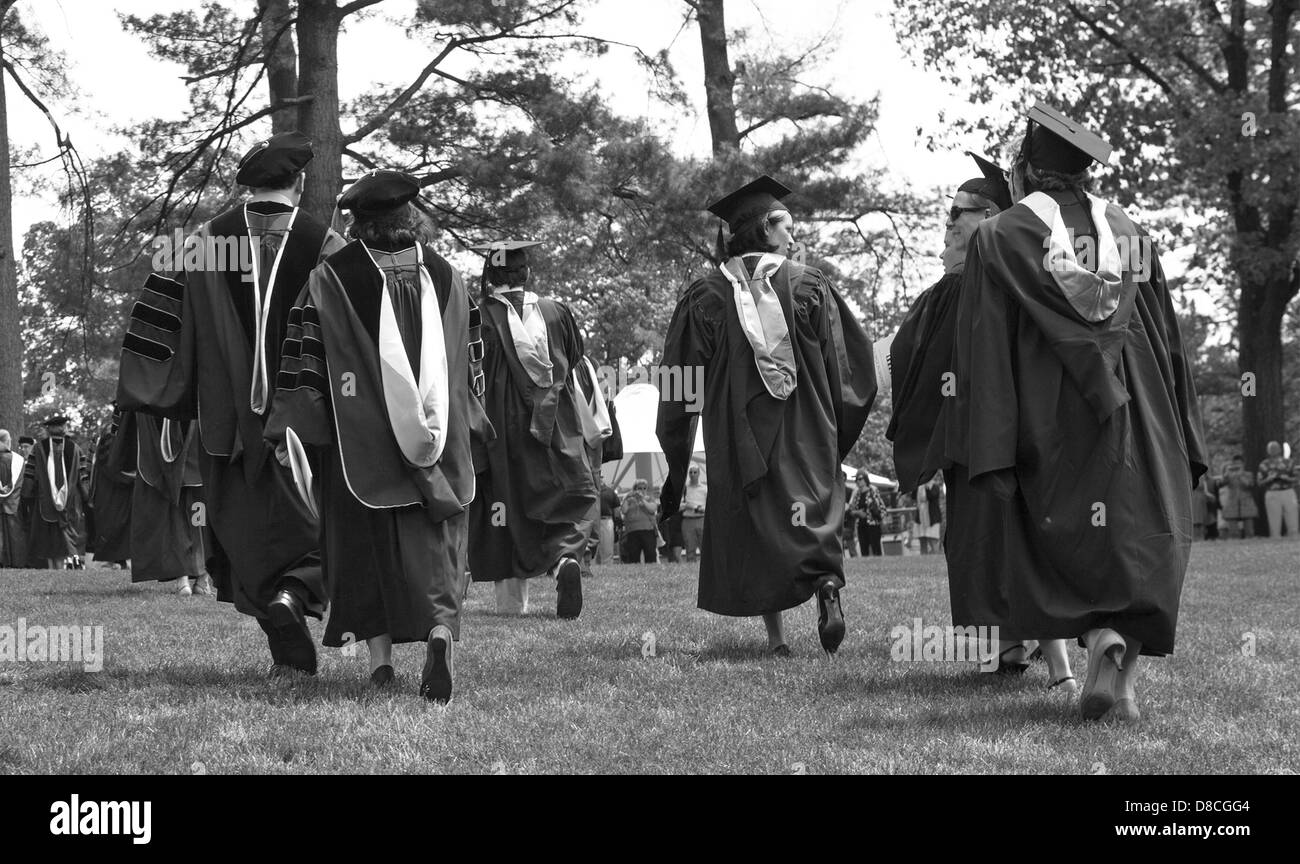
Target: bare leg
x=1106 y=659
x=381 y=651
x=1126 y=708
x=512 y=596
x=1058 y=665
x=775 y=630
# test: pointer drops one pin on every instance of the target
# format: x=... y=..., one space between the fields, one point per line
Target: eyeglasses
x=955 y=213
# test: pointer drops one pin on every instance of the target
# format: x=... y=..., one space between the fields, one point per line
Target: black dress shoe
x=382 y=677
x=781 y=651
x=830 y=618
x=290 y=622
x=439 y=669
x=568 y=588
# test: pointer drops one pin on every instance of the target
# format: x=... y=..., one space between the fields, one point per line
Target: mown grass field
x=183 y=690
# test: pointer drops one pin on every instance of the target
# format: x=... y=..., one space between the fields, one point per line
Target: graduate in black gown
x=205 y=343
x=168 y=533
x=112 y=476
x=376 y=404
x=920 y=352
x=536 y=497
x=13 y=533
x=55 y=480
x=1074 y=434
x=788 y=380
x=921 y=378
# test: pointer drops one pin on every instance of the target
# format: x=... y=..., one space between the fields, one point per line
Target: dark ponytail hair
x=1043 y=180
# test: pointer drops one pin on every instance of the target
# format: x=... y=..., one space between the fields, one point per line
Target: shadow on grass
x=193 y=681
x=142 y=589
x=957 y=702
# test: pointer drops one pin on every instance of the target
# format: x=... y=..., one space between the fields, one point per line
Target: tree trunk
x=318 y=119
x=11 y=339
x=719 y=80
x=1259 y=337
x=281 y=61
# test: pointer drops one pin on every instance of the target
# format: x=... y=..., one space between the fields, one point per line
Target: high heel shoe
x=1067 y=684
x=830 y=618
x=1105 y=660
x=1009 y=667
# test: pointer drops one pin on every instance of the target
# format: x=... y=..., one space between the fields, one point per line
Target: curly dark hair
x=1043 y=180
x=391 y=231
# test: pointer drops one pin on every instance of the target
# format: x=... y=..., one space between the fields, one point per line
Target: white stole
x=262 y=310
x=16 y=470
x=169 y=453
x=532 y=343
x=592 y=412
x=301 y=470
x=60 y=494
x=884 y=364
x=763 y=321
x=417 y=412
x=1095 y=296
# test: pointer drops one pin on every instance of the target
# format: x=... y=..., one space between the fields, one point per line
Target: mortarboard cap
x=274 y=163
x=506 y=253
x=26 y=439
x=1054 y=142
x=379 y=192
x=752 y=201
x=992 y=186
x=56 y=420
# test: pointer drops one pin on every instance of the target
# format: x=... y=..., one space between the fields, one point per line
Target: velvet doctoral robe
x=393 y=531
x=205 y=343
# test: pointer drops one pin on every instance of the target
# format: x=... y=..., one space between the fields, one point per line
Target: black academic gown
x=536 y=494
x=189 y=353
x=919 y=359
x=112 y=477
x=1074 y=448
x=776 y=493
x=167 y=531
x=393 y=534
x=54 y=532
x=13 y=533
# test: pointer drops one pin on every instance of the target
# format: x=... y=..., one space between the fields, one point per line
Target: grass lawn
x=182 y=688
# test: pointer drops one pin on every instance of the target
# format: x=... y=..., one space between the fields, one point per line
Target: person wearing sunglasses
x=1072 y=435
x=921 y=351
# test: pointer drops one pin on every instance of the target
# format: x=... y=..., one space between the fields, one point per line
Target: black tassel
x=720 y=249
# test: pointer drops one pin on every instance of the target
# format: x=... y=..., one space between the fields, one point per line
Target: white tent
x=851 y=477
x=643 y=459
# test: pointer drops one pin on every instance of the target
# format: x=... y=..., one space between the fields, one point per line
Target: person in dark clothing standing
x=869 y=510
x=640 y=515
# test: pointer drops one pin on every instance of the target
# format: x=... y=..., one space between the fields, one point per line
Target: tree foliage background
x=511 y=138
